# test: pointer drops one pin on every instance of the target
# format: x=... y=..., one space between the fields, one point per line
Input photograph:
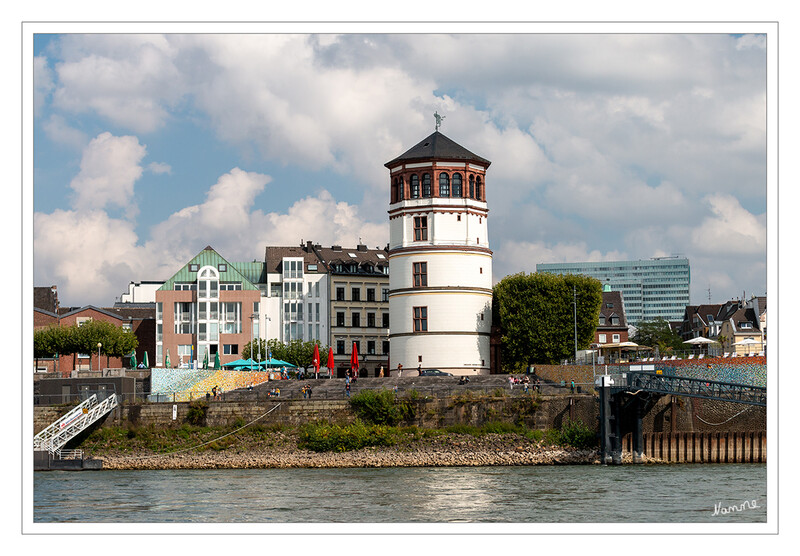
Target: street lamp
x=575 y=314
x=99 y=345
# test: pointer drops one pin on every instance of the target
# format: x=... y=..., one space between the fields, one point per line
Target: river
x=687 y=493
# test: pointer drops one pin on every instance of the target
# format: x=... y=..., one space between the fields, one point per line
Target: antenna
x=438 y=119
x=709 y=293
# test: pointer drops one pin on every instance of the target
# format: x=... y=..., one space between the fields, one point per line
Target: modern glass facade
x=651 y=288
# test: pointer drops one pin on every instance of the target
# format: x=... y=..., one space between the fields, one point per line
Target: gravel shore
x=449 y=451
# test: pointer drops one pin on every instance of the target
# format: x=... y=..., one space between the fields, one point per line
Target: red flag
x=330 y=361
x=354 y=360
x=316 y=359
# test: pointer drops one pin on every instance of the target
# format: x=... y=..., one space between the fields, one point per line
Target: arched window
x=472 y=187
x=395 y=196
x=444 y=185
x=478 y=189
x=208 y=283
x=414 y=186
x=401 y=189
x=456 y=185
x=426 y=185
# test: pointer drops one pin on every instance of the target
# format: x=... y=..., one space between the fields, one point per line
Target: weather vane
x=438 y=119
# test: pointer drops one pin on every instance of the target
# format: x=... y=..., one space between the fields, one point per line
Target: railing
x=698 y=388
x=68 y=454
x=55 y=436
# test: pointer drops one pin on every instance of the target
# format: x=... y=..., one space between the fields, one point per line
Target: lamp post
x=253 y=318
x=99 y=345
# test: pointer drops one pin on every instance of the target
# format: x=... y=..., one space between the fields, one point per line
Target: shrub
x=382 y=408
x=577 y=435
x=196 y=415
x=324 y=437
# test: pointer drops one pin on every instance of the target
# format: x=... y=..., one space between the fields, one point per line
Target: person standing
x=399 y=370
x=572 y=386
x=347 y=387
x=380 y=374
x=419 y=369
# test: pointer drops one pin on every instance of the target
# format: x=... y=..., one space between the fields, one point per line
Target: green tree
x=296 y=352
x=535 y=314
x=657 y=334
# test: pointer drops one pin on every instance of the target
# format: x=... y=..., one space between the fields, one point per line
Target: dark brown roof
x=135 y=313
x=273 y=257
x=614 y=299
x=437 y=146
x=360 y=255
x=45 y=298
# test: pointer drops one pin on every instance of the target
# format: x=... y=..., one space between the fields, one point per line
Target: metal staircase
x=54 y=437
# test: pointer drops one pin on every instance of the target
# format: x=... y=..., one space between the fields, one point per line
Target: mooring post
x=604 y=387
x=616 y=452
x=638 y=442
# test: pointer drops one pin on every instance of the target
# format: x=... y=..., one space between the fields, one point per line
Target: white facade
x=141 y=292
x=440 y=286
x=295 y=306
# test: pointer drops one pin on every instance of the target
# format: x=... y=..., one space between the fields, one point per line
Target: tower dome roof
x=437 y=146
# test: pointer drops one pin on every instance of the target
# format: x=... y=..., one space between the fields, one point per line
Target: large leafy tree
x=296 y=352
x=657 y=334
x=536 y=316
x=63 y=340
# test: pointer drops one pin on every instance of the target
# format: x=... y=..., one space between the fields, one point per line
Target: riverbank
x=451 y=450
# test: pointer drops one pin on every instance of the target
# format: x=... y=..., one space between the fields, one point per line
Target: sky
x=147 y=148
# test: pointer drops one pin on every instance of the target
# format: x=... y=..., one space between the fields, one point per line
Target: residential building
x=208 y=306
x=740 y=322
x=358 y=282
x=652 y=289
x=612 y=326
x=701 y=321
x=296 y=299
x=141 y=292
x=440 y=292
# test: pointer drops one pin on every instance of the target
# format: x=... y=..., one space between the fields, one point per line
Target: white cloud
x=42 y=83
x=731 y=229
x=746 y=42
x=59 y=131
x=159 y=168
x=109 y=168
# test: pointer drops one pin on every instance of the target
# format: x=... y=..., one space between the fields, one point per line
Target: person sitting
x=463 y=380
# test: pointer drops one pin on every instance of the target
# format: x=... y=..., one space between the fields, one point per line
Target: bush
x=196 y=415
x=577 y=435
x=324 y=437
x=382 y=408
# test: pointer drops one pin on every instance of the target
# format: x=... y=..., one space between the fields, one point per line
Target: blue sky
x=147 y=148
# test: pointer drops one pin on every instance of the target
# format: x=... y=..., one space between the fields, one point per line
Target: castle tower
x=440 y=284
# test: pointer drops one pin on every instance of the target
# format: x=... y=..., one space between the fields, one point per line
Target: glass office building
x=651 y=288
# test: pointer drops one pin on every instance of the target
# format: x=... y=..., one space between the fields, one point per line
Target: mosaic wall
x=186 y=384
x=741 y=370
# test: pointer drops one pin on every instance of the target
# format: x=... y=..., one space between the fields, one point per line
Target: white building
x=440 y=286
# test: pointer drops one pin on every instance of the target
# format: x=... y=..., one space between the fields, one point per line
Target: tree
x=537 y=322
x=657 y=334
x=296 y=352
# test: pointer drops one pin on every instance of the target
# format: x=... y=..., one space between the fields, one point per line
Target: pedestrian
x=308 y=388
x=303 y=390
x=572 y=386
x=347 y=387
x=399 y=370
x=510 y=382
x=214 y=392
x=208 y=396
x=419 y=369
x=380 y=374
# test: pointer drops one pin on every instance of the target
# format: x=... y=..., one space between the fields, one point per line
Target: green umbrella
x=217 y=366
x=133 y=360
x=205 y=360
x=145 y=361
x=167 y=364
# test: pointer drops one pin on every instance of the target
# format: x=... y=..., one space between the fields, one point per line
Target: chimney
x=309 y=246
x=361 y=247
x=336 y=247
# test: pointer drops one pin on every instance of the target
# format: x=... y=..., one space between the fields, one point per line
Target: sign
x=85 y=410
x=174 y=412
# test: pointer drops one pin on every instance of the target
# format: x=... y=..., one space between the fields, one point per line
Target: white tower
x=440 y=284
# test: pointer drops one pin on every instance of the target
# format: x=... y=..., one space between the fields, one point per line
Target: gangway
x=55 y=436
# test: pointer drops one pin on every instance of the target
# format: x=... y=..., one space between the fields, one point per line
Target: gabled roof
x=208 y=257
x=77 y=310
x=437 y=146
x=617 y=309
x=274 y=256
x=348 y=255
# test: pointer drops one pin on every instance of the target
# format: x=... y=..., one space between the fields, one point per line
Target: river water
x=686 y=493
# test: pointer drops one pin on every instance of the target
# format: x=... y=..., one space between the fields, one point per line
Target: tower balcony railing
x=441 y=242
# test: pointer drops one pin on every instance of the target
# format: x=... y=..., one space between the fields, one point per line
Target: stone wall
x=546 y=411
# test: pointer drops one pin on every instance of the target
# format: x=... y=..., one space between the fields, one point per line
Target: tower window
x=414 y=186
x=420 y=228
x=420 y=319
x=426 y=185
x=478 y=189
x=456 y=185
x=472 y=187
x=420 y=275
x=444 y=185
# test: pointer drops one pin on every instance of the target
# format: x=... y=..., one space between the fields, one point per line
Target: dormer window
x=602 y=320
x=746 y=325
x=614 y=320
